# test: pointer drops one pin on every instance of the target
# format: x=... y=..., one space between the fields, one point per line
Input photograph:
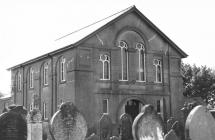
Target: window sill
x=158 y=82
x=140 y=81
x=104 y=79
x=63 y=82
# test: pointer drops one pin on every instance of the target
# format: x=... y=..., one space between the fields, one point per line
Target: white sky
x=29 y=27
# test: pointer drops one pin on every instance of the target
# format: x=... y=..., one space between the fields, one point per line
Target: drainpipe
x=170 y=94
x=23 y=87
x=52 y=85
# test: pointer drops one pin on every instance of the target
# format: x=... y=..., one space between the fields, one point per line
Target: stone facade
x=84 y=83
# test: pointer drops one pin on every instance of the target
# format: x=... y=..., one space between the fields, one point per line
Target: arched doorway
x=133 y=107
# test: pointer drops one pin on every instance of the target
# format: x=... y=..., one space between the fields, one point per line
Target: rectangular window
x=105 y=106
x=158 y=107
x=44 y=111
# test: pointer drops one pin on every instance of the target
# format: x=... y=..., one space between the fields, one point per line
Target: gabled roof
x=73 y=39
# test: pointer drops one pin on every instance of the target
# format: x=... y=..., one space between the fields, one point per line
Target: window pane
x=105 y=106
x=159 y=73
x=101 y=70
x=124 y=61
x=142 y=65
x=106 y=70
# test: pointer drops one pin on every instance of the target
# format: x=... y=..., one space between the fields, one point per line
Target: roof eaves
x=76 y=43
x=104 y=26
x=184 y=55
x=41 y=57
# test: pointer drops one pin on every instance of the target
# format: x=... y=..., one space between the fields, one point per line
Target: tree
x=1 y=94
x=199 y=82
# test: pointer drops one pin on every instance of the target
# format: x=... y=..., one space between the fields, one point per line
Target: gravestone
x=125 y=125
x=114 y=138
x=171 y=135
x=68 y=123
x=200 y=124
x=105 y=127
x=35 y=126
x=13 y=124
x=93 y=137
x=169 y=123
x=148 y=125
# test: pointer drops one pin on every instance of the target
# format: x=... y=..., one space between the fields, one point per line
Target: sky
x=28 y=28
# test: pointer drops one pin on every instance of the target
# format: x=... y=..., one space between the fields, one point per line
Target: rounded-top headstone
x=200 y=124
x=13 y=124
x=125 y=124
x=148 y=125
x=105 y=127
x=68 y=123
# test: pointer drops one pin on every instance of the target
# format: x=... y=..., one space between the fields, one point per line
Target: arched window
x=19 y=80
x=124 y=60
x=31 y=78
x=104 y=67
x=62 y=70
x=141 y=62
x=45 y=74
x=158 y=70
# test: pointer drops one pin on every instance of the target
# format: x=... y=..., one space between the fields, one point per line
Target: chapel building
x=114 y=66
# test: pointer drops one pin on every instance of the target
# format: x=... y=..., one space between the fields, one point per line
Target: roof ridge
x=124 y=10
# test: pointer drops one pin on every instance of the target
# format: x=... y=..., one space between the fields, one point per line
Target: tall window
x=31 y=78
x=19 y=81
x=141 y=62
x=62 y=70
x=104 y=67
x=124 y=60
x=158 y=70
x=44 y=110
x=105 y=106
x=45 y=74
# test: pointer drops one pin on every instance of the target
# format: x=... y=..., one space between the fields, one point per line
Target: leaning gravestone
x=200 y=124
x=114 y=138
x=13 y=124
x=68 y=123
x=169 y=123
x=148 y=125
x=171 y=135
x=105 y=127
x=125 y=124
x=92 y=137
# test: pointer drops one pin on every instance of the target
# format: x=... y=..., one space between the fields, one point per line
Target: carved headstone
x=105 y=127
x=35 y=127
x=13 y=124
x=200 y=124
x=68 y=123
x=125 y=124
x=148 y=125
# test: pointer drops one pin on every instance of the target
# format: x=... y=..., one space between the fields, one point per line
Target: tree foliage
x=199 y=82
